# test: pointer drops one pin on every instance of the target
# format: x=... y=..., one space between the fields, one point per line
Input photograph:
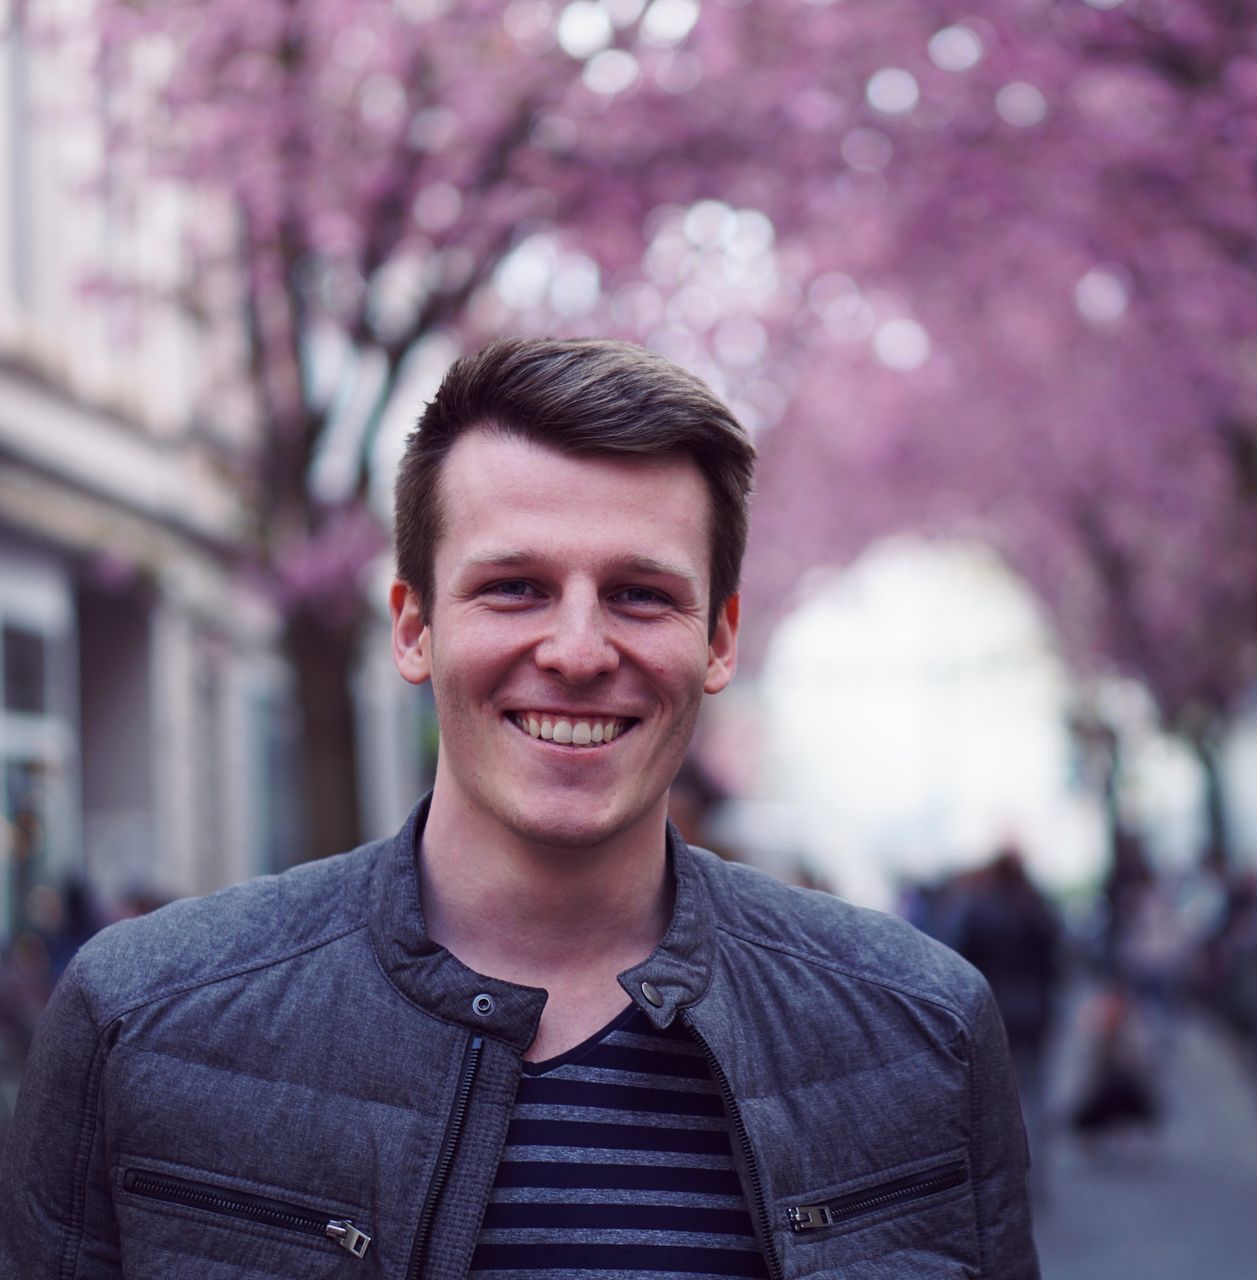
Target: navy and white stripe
x=618 y=1163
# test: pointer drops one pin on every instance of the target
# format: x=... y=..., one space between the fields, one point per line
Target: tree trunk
x=1101 y=752
x=1217 y=836
x=323 y=656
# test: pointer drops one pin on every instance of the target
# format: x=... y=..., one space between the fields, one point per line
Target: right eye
x=510 y=589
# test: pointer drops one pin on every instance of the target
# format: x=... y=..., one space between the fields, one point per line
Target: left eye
x=641 y=597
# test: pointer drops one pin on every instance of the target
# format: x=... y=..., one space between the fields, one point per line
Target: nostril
x=577 y=659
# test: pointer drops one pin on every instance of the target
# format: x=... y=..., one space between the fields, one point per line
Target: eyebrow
x=648 y=566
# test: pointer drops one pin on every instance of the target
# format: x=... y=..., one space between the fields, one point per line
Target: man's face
x=568 y=648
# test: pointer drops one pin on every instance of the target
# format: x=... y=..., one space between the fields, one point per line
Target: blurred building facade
x=147 y=716
x=130 y=660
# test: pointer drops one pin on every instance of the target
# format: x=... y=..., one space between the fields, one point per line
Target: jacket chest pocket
x=174 y=1222
x=912 y=1220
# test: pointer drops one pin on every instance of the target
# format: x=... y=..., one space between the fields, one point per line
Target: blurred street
x=1178 y=1204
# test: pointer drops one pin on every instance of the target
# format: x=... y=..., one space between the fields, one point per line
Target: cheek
x=469 y=668
x=683 y=673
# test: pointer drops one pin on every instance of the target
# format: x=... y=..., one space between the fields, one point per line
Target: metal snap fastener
x=652 y=994
x=483 y=1004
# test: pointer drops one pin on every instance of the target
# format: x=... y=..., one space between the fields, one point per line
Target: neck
x=542 y=915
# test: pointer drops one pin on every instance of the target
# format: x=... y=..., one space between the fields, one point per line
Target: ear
x=722 y=652
x=412 y=642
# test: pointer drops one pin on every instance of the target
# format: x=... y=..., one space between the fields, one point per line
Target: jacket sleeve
x=1000 y=1156
x=58 y=1220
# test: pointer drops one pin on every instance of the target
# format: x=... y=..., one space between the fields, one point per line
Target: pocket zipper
x=237 y=1204
x=811 y=1217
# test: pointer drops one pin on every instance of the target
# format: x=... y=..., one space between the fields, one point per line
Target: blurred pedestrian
x=1230 y=962
x=25 y=985
x=1118 y=1091
x=1000 y=922
x=79 y=920
x=1152 y=957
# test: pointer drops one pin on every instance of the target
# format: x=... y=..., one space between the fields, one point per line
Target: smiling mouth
x=573 y=731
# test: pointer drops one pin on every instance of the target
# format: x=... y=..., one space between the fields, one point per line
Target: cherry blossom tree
x=1053 y=316
x=983 y=267
x=360 y=170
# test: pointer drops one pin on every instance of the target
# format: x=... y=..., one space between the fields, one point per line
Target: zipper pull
x=348 y=1236
x=807 y=1217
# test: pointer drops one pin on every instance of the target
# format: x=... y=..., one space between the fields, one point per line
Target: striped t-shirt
x=618 y=1163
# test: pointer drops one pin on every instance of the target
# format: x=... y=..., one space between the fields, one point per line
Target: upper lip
x=533 y=709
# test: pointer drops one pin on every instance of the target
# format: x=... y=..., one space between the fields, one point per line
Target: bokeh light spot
x=530 y=23
x=892 y=91
x=955 y=49
x=584 y=29
x=383 y=100
x=901 y=344
x=623 y=13
x=574 y=288
x=523 y=277
x=668 y=22
x=751 y=234
x=867 y=149
x=1101 y=296
x=1021 y=105
x=437 y=206
x=555 y=133
x=434 y=129
x=709 y=222
x=848 y=318
x=610 y=72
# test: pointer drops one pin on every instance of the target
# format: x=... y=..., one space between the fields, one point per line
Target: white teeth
x=576 y=733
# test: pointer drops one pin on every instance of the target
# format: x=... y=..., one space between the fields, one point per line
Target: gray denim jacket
x=290 y=1079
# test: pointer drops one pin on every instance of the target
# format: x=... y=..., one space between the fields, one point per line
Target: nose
x=577 y=645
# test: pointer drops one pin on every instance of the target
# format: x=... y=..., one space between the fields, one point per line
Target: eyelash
x=500 y=588
x=656 y=597
x=523 y=588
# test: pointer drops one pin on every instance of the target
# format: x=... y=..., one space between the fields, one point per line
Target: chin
x=556 y=829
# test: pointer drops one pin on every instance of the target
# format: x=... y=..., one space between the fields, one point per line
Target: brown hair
x=579 y=396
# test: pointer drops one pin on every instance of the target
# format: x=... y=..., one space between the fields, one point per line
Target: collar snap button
x=651 y=992
x=482 y=1004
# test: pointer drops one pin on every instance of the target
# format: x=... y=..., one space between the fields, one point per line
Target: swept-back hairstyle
x=589 y=397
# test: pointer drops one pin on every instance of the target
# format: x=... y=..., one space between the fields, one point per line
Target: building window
x=25 y=670
x=38 y=831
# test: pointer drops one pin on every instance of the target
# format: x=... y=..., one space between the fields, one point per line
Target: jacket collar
x=673 y=976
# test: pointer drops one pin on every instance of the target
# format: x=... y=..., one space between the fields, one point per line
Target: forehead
x=494 y=483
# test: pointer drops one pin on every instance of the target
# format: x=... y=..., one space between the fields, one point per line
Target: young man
x=532 y=1034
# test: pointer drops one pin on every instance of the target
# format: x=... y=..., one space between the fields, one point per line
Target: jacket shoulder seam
x=86 y=1140
x=872 y=979
x=252 y=966
x=975 y=1141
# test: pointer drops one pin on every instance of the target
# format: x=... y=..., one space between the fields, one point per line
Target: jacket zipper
x=238 y=1204
x=445 y=1159
x=811 y=1217
x=759 y=1207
